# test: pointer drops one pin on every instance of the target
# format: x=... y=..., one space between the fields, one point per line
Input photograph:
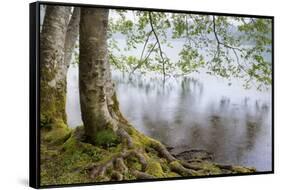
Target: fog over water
x=198 y=111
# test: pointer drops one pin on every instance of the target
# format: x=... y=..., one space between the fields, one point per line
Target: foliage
x=225 y=46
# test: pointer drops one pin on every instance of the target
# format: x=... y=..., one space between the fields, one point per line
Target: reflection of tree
x=227 y=129
x=224 y=104
x=196 y=136
x=157 y=128
x=190 y=94
x=217 y=137
x=234 y=129
x=253 y=124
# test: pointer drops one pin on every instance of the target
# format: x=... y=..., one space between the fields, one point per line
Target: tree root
x=136 y=147
x=141 y=175
x=125 y=137
x=117 y=163
x=177 y=167
x=235 y=168
x=163 y=152
x=190 y=166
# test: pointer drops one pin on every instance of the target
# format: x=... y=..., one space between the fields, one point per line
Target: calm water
x=199 y=111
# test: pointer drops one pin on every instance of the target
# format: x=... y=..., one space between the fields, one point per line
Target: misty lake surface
x=198 y=111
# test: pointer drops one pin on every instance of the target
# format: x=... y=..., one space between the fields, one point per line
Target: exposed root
x=190 y=166
x=141 y=159
x=237 y=169
x=120 y=165
x=163 y=152
x=117 y=164
x=125 y=137
x=116 y=176
x=180 y=169
x=141 y=175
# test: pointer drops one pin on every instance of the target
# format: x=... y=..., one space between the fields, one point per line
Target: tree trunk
x=96 y=86
x=52 y=67
x=71 y=35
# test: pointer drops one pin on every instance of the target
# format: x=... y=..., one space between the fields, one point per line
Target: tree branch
x=146 y=41
x=219 y=42
x=143 y=61
x=227 y=46
x=113 y=59
x=159 y=44
x=216 y=36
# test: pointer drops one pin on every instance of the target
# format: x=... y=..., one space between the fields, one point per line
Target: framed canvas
x=126 y=94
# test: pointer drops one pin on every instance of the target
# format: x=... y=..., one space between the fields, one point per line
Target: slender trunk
x=71 y=35
x=52 y=67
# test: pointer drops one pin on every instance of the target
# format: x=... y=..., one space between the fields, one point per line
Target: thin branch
x=159 y=44
x=151 y=50
x=113 y=59
x=187 y=37
x=217 y=38
x=143 y=61
x=196 y=21
x=221 y=43
x=234 y=49
x=226 y=45
x=237 y=59
x=146 y=41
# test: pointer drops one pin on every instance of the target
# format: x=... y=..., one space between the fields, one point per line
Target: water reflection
x=199 y=112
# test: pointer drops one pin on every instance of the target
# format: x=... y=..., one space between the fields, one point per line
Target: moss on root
x=106 y=138
x=154 y=168
x=56 y=133
x=65 y=162
x=67 y=158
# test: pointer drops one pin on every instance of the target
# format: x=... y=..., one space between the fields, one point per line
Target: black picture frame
x=34 y=91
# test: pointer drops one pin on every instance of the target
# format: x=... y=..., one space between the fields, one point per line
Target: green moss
x=210 y=168
x=175 y=164
x=56 y=134
x=240 y=169
x=74 y=146
x=52 y=99
x=129 y=176
x=45 y=122
x=106 y=138
x=66 y=163
x=133 y=163
x=172 y=174
x=154 y=168
x=165 y=165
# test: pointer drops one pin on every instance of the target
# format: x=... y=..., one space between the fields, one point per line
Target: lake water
x=199 y=111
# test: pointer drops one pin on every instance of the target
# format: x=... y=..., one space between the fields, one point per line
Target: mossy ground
x=66 y=158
